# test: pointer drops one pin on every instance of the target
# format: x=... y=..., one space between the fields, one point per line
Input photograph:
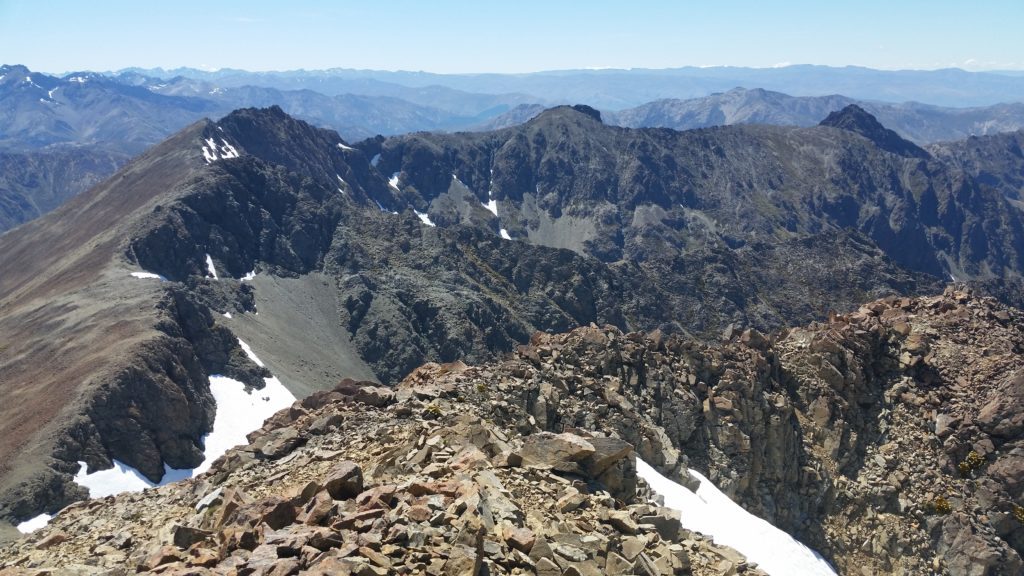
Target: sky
x=456 y=36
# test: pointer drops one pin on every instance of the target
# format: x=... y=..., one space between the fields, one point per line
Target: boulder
x=344 y=481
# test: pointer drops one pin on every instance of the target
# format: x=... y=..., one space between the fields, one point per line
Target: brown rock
x=463 y=561
x=547 y=449
x=278 y=512
x=617 y=565
x=163 y=555
x=622 y=521
x=374 y=396
x=53 y=539
x=185 y=536
x=344 y=481
x=518 y=538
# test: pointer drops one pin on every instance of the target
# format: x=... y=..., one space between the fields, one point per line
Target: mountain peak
x=567 y=111
x=853 y=118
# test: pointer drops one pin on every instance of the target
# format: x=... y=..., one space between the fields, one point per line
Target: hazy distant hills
x=913 y=120
x=616 y=89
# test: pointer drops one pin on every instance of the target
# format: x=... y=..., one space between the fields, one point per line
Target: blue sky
x=450 y=36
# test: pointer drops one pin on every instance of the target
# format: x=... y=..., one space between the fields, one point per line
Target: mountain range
x=810 y=301
x=99 y=120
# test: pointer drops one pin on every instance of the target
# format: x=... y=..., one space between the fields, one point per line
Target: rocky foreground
x=890 y=439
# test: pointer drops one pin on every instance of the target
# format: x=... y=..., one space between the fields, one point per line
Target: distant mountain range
x=100 y=120
x=614 y=89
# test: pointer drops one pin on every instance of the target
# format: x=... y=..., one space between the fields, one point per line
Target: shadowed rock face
x=640 y=229
x=857 y=120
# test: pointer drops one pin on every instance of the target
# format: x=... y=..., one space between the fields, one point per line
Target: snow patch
x=149 y=275
x=383 y=209
x=78 y=79
x=425 y=218
x=492 y=206
x=213 y=151
x=227 y=315
x=344 y=147
x=249 y=276
x=343 y=184
x=239 y=411
x=122 y=478
x=50 y=93
x=248 y=352
x=210 y=269
x=393 y=181
x=711 y=512
x=504 y=234
x=33 y=524
x=375 y=160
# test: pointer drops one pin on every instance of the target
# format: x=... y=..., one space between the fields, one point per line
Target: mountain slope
x=33 y=183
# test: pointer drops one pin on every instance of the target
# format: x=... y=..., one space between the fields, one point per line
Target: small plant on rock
x=970 y=464
x=1018 y=513
x=434 y=410
x=481 y=387
x=941 y=505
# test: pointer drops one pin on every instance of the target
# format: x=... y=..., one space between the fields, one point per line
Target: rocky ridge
x=888 y=438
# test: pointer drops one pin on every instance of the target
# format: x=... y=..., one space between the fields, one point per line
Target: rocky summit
x=888 y=438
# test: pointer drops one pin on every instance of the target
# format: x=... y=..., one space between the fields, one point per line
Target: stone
x=519 y=538
x=374 y=396
x=616 y=565
x=51 y=540
x=344 y=480
x=279 y=442
x=185 y=536
x=547 y=449
x=463 y=561
x=622 y=521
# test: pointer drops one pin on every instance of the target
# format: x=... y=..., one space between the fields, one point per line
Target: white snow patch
x=33 y=524
x=344 y=147
x=492 y=206
x=383 y=209
x=249 y=276
x=227 y=315
x=711 y=512
x=425 y=218
x=343 y=183
x=149 y=275
x=50 y=93
x=375 y=160
x=248 y=352
x=239 y=412
x=504 y=234
x=953 y=278
x=44 y=100
x=210 y=269
x=213 y=151
x=393 y=181
x=122 y=478
x=79 y=79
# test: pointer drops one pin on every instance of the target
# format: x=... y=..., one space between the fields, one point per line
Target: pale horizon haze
x=451 y=36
